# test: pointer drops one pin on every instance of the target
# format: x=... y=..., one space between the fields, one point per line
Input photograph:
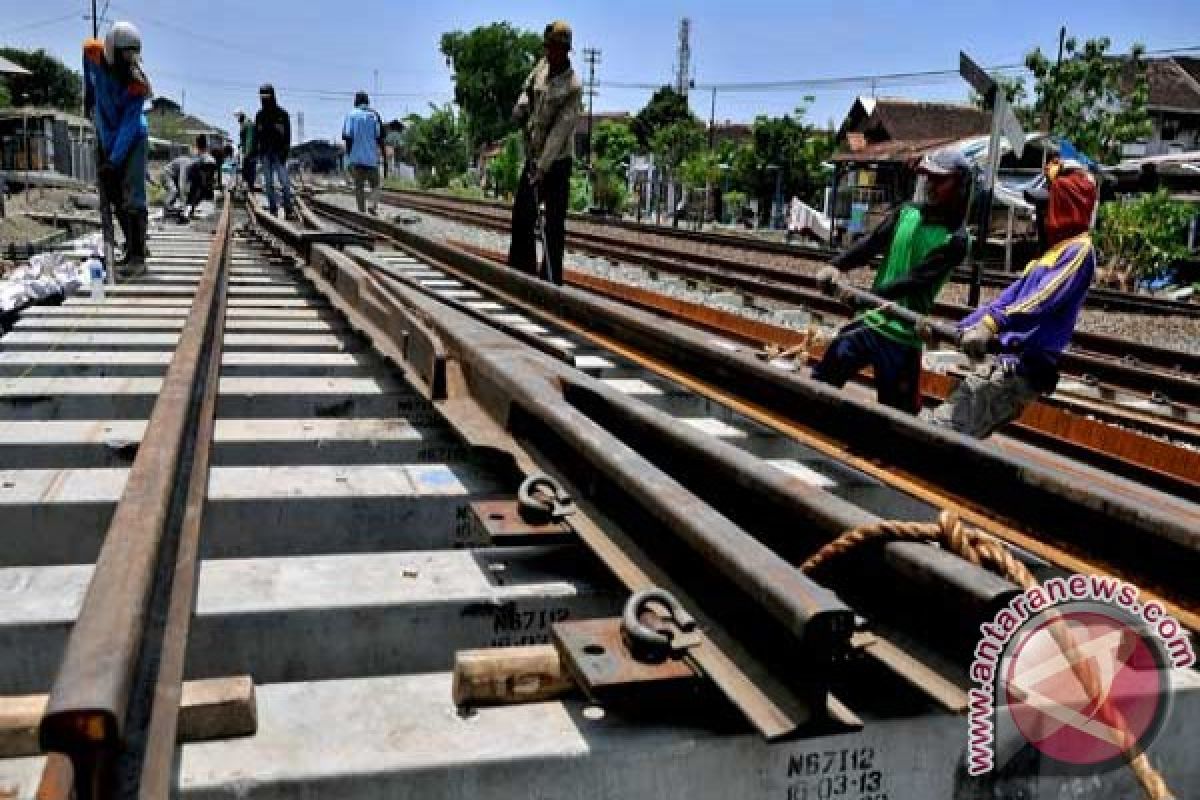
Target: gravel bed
x=1178 y=333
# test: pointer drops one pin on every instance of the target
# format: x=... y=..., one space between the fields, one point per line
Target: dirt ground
x=16 y=228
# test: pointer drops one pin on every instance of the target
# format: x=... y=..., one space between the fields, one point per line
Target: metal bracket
x=499 y=523
x=541 y=496
x=670 y=632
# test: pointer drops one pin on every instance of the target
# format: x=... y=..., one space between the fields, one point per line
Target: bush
x=1140 y=238
x=581 y=191
x=611 y=193
x=734 y=203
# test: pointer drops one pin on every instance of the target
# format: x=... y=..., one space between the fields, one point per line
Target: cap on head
x=557 y=33
x=361 y=99
x=266 y=91
x=239 y=114
x=122 y=36
x=945 y=162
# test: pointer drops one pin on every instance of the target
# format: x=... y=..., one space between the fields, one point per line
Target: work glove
x=975 y=341
x=827 y=279
x=925 y=331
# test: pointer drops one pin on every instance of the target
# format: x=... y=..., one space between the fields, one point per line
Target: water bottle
x=95 y=269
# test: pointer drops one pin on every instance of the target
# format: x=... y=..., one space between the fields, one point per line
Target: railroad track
x=1126 y=364
x=734 y=247
x=270 y=472
x=1103 y=424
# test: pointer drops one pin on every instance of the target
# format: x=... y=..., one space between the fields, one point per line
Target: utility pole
x=299 y=127
x=683 y=67
x=591 y=57
x=1053 y=111
x=712 y=122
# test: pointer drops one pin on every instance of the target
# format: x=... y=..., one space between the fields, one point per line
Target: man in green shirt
x=924 y=241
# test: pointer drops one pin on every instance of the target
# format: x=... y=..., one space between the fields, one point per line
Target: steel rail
x=1098 y=297
x=1064 y=506
x=91 y=705
x=1173 y=370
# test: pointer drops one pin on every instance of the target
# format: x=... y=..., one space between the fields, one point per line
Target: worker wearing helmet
x=272 y=143
x=547 y=108
x=922 y=242
x=1031 y=321
x=115 y=93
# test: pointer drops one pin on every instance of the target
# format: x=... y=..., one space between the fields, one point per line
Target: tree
x=614 y=142
x=5 y=97
x=1095 y=100
x=504 y=171
x=1138 y=238
x=490 y=65
x=675 y=143
x=666 y=107
x=52 y=83
x=435 y=145
x=1015 y=93
x=787 y=152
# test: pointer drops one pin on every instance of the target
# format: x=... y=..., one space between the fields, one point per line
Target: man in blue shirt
x=363 y=134
x=115 y=91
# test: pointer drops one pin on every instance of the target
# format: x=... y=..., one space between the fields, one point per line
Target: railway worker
x=272 y=143
x=547 y=108
x=249 y=169
x=1032 y=320
x=923 y=241
x=363 y=133
x=174 y=180
x=115 y=92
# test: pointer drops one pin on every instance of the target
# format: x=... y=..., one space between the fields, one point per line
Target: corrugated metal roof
x=9 y=68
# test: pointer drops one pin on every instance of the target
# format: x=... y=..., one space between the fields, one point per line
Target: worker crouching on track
x=272 y=143
x=363 y=133
x=548 y=107
x=175 y=179
x=1033 y=319
x=924 y=242
x=115 y=93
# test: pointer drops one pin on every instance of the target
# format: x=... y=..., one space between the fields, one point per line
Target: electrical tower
x=591 y=56
x=683 y=69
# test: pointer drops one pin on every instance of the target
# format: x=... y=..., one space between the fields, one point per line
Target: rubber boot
x=134 y=263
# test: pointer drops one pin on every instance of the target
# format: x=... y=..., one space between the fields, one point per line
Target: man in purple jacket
x=1031 y=322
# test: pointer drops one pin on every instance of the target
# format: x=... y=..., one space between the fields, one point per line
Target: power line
x=917 y=78
x=42 y=22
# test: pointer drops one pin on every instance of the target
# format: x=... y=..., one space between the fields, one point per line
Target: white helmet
x=122 y=36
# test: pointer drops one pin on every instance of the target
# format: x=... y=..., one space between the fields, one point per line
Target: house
x=46 y=147
x=168 y=121
x=879 y=143
x=1174 y=108
x=319 y=156
x=736 y=132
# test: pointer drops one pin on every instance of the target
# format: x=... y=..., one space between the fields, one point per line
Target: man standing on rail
x=548 y=108
x=1032 y=320
x=923 y=242
x=363 y=133
x=115 y=93
x=272 y=143
x=246 y=146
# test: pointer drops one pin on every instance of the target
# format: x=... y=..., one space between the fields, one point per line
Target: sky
x=213 y=55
